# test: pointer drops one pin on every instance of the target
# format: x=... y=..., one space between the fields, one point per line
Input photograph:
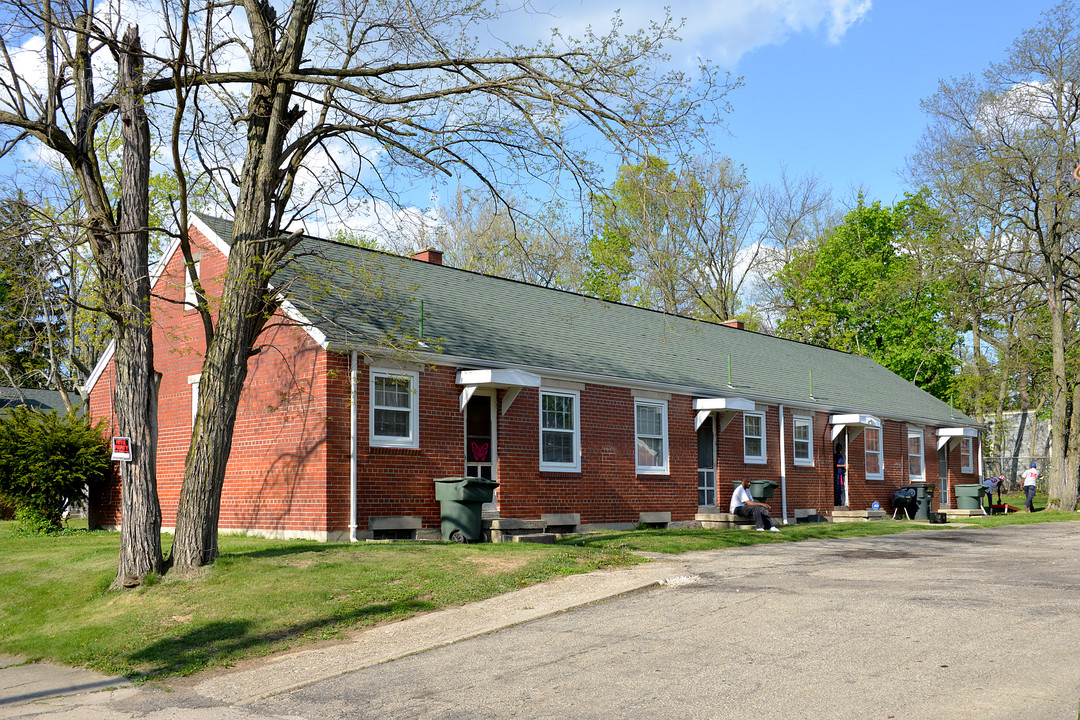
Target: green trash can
x=461 y=503
x=924 y=500
x=969 y=496
x=760 y=490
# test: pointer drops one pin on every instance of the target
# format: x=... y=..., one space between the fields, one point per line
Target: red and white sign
x=121 y=448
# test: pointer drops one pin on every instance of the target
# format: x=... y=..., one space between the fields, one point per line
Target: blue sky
x=831 y=86
x=850 y=110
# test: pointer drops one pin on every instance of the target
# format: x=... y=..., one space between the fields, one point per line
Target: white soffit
x=727 y=407
x=498 y=379
x=953 y=435
x=856 y=421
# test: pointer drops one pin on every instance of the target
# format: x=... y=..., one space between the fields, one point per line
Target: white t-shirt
x=740 y=497
x=1030 y=475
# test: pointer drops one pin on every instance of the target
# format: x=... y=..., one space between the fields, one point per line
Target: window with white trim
x=394 y=416
x=915 y=454
x=802 y=434
x=650 y=431
x=193 y=381
x=190 y=299
x=965 y=455
x=753 y=437
x=872 y=462
x=560 y=434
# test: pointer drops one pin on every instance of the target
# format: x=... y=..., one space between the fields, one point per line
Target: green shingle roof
x=354 y=296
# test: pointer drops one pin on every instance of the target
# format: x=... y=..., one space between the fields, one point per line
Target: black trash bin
x=461 y=503
x=916 y=498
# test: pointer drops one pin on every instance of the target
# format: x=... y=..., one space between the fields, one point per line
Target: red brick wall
x=276 y=474
x=608 y=489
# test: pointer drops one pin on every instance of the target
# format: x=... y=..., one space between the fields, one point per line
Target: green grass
x=264 y=596
x=260 y=597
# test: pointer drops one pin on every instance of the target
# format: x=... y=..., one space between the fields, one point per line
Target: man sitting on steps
x=744 y=505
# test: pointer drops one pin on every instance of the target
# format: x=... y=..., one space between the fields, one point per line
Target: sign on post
x=121 y=448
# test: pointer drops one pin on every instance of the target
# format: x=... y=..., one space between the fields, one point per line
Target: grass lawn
x=264 y=596
x=261 y=596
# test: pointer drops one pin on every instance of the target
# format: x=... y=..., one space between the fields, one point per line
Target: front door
x=943 y=476
x=480 y=441
x=706 y=464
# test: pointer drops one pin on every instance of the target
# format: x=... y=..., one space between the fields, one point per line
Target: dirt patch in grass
x=494 y=564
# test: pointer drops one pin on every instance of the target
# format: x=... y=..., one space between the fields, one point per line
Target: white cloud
x=722 y=31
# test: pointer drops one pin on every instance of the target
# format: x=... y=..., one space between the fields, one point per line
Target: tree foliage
x=1000 y=153
x=48 y=461
x=864 y=287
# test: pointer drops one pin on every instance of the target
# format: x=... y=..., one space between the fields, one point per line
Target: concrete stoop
x=716 y=520
x=543 y=530
x=841 y=516
x=957 y=514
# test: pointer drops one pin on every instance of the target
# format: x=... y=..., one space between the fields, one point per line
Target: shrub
x=48 y=461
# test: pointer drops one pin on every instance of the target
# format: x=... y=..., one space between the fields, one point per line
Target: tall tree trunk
x=1061 y=488
x=135 y=397
x=245 y=306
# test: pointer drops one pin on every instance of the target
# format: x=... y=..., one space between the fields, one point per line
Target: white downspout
x=783 y=469
x=352 y=448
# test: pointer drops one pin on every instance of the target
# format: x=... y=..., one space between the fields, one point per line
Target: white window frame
x=661 y=469
x=880 y=453
x=413 y=440
x=911 y=434
x=755 y=459
x=193 y=381
x=191 y=301
x=966 y=452
x=574 y=466
x=796 y=421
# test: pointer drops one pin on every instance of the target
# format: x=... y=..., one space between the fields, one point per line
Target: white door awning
x=855 y=421
x=499 y=379
x=726 y=407
x=952 y=435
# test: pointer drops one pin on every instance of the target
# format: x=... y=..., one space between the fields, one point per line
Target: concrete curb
x=425 y=632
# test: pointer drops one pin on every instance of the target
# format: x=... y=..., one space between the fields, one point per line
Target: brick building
x=588 y=413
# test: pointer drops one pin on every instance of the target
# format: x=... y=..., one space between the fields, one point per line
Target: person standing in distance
x=1029 y=477
x=744 y=505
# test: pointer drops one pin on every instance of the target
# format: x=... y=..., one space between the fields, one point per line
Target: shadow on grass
x=220 y=641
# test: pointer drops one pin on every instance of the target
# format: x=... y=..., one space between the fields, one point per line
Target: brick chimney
x=429 y=255
x=737 y=324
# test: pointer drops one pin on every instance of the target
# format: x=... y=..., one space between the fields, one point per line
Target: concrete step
x=542 y=538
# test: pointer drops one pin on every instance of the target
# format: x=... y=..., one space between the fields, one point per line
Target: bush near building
x=48 y=461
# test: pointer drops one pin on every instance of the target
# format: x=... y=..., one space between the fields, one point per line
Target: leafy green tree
x=1002 y=148
x=48 y=461
x=861 y=288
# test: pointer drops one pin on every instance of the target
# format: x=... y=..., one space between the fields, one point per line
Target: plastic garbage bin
x=924 y=500
x=461 y=502
x=760 y=490
x=969 y=496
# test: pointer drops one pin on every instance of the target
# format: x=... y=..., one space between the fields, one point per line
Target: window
x=965 y=455
x=753 y=437
x=560 y=438
x=872 y=448
x=394 y=417
x=650 y=428
x=190 y=300
x=802 y=432
x=193 y=381
x=915 y=455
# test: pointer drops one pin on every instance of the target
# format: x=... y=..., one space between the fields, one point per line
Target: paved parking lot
x=944 y=623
